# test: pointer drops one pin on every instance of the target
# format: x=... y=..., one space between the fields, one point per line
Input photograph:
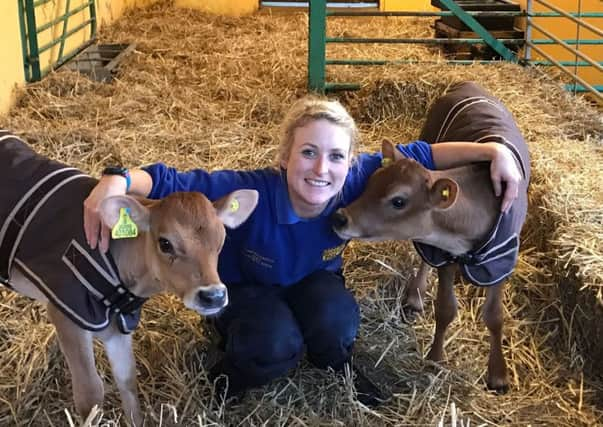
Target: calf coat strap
x=42 y=235
x=490 y=263
x=104 y=283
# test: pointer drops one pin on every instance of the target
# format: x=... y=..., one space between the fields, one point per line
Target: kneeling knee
x=265 y=355
x=335 y=321
x=283 y=346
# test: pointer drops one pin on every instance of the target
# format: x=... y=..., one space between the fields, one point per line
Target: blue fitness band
x=121 y=171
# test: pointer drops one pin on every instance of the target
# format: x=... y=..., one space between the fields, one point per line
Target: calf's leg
x=493 y=318
x=445 y=310
x=119 y=351
x=76 y=345
x=416 y=291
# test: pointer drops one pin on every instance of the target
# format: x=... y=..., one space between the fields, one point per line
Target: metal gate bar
x=580 y=80
x=416 y=41
x=472 y=13
x=573 y=18
x=566 y=46
x=30 y=33
x=579 y=85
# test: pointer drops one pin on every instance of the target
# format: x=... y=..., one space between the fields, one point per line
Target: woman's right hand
x=96 y=231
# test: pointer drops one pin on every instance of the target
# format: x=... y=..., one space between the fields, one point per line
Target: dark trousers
x=266 y=328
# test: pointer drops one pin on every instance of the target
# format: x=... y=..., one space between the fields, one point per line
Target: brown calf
x=89 y=295
x=452 y=216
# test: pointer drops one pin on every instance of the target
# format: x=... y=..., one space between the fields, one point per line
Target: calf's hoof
x=410 y=314
x=497 y=386
x=497 y=379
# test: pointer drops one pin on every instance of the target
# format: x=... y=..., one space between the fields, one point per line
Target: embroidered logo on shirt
x=332 y=253
x=258 y=259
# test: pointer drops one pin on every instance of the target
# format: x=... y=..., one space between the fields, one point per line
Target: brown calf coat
x=452 y=216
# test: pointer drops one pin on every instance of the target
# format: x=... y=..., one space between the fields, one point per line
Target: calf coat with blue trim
x=468 y=113
x=42 y=235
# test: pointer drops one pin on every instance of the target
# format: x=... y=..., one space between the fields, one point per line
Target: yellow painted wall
x=11 y=57
x=108 y=11
x=221 y=7
x=411 y=5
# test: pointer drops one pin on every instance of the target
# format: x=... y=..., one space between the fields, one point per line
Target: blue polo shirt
x=275 y=246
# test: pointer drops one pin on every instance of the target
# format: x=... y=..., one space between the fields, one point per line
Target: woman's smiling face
x=317 y=166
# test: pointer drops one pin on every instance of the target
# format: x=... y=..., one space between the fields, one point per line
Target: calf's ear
x=111 y=206
x=390 y=152
x=444 y=193
x=234 y=208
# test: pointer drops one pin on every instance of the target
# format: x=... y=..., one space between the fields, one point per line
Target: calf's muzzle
x=338 y=220
x=210 y=300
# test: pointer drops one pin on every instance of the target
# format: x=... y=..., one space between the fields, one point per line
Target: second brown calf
x=452 y=216
x=89 y=294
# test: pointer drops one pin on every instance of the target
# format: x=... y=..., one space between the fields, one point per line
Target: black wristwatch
x=121 y=171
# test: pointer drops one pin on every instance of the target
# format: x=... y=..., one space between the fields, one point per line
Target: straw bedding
x=207 y=91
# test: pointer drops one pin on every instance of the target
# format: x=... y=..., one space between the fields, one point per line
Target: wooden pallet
x=488 y=22
x=473 y=51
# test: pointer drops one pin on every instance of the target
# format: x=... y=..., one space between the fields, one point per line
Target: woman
x=283 y=266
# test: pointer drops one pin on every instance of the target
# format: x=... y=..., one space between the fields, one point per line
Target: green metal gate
x=317 y=40
x=32 y=32
x=317 y=60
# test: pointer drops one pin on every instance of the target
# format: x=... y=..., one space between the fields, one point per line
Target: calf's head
x=182 y=236
x=397 y=203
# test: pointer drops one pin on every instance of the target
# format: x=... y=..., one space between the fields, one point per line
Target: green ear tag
x=125 y=227
x=385 y=162
x=234 y=205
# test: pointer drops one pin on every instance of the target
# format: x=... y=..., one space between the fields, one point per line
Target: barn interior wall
x=12 y=73
x=11 y=57
x=411 y=5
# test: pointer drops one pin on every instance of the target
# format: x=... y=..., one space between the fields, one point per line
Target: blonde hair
x=309 y=109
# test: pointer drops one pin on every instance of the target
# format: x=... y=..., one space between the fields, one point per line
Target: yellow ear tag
x=234 y=205
x=385 y=162
x=125 y=227
x=446 y=193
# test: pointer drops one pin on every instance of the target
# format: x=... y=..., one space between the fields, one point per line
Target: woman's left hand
x=503 y=169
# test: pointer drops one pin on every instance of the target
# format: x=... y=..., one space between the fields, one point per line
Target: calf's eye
x=398 y=202
x=165 y=246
